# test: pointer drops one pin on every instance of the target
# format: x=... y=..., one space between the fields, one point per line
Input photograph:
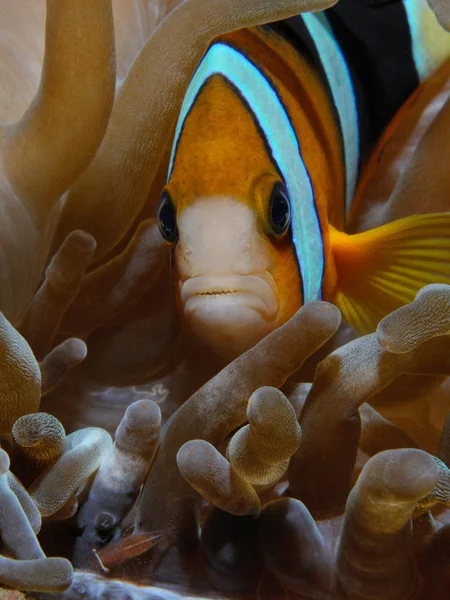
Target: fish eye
x=167 y=218
x=279 y=210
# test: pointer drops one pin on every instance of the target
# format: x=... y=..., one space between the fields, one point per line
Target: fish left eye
x=279 y=210
x=167 y=218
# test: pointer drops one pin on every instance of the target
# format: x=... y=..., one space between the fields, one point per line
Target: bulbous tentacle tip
x=324 y=311
x=260 y=451
x=60 y=361
x=374 y=555
x=83 y=453
x=212 y=476
x=41 y=437
x=139 y=429
x=405 y=475
x=428 y=316
x=440 y=494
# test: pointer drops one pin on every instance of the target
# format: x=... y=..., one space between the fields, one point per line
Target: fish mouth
x=255 y=292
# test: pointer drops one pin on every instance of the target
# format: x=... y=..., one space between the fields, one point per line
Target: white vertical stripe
x=339 y=80
x=430 y=41
x=282 y=141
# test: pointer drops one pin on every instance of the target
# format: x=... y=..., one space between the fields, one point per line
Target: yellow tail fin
x=380 y=270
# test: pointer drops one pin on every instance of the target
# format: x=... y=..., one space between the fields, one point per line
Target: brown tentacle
x=127 y=277
x=60 y=132
x=217 y=408
x=441 y=9
x=426 y=175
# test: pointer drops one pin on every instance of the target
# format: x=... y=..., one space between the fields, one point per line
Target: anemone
x=442 y=12
x=259 y=482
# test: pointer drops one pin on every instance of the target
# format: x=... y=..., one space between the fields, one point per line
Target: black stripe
x=375 y=39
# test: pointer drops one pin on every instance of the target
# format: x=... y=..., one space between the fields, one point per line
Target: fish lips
x=230 y=313
x=253 y=292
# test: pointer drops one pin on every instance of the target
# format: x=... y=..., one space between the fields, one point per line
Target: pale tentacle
x=410 y=325
x=92 y=585
x=374 y=556
x=84 y=452
x=260 y=451
x=60 y=132
x=426 y=176
x=16 y=532
x=212 y=476
x=118 y=180
x=41 y=575
x=134 y=21
x=125 y=466
x=29 y=507
x=22 y=25
x=138 y=345
x=117 y=483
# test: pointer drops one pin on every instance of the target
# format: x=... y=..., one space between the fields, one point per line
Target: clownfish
x=274 y=132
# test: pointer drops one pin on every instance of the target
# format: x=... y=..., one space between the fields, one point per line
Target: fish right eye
x=167 y=218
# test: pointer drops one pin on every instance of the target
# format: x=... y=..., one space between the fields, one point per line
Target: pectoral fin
x=380 y=270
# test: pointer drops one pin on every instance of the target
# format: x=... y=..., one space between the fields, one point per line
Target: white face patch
x=227 y=292
x=283 y=146
x=219 y=235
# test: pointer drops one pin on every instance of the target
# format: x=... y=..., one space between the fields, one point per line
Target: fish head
x=226 y=212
